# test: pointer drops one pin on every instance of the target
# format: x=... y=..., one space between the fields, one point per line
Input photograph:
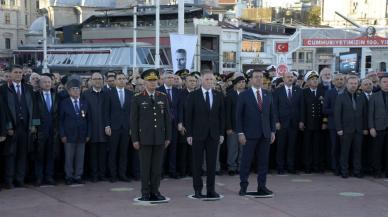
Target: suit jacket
x=118 y=117
x=174 y=104
x=348 y=119
x=97 y=103
x=328 y=107
x=378 y=111
x=48 y=120
x=8 y=93
x=249 y=120
x=200 y=121
x=73 y=126
x=287 y=112
x=311 y=112
x=150 y=121
x=181 y=106
x=3 y=119
x=230 y=109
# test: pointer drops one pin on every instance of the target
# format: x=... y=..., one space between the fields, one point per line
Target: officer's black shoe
x=157 y=197
x=198 y=195
x=112 y=179
x=79 y=181
x=145 y=197
x=68 y=181
x=19 y=184
x=232 y=172
x=124 y=179
x=174 y=176
x=345 y=175
x=243 y=191
x=212 y=194
x=8 y=185
x=264 y=192
x=38 y=182
x=281 y=172
x=358 y=175
x=50 y=181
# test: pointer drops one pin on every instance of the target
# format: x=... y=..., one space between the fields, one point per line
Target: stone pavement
x=295 y=195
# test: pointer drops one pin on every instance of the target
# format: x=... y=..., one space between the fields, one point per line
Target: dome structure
x=37 y=26
x=90 y=3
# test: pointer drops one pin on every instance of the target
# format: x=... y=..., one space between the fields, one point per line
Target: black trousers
x=335 y=150
x=351 y=142
x=210 y=146
x=312 y=157
x=262 y=148
x=151 y=158
x=118 y=153
x=44 y=157
x=170 y=159
x=15 y=160
x=184 y=156
x=134 y=161
x=97 y=159
x=285 y=149
x=379 y=144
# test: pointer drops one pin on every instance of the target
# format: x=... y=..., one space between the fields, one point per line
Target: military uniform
x=151 y=127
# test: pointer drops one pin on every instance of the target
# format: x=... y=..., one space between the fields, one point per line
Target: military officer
x=312 y=122
x=151 y=134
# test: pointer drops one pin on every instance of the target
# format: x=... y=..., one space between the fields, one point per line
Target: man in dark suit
x=74 y=131
x=255 y=123
x=46 y=110
x=184 y=150
x=350 y=117
x=312 y=123
x=205 y=124
x=97 y=98
x=378 y=126
x=18 y=98
x=118 y=128
x=173 y=99
x=288 y=101
x=151 y=134
x=366 y=88
x=328 y=110
x=233 y=146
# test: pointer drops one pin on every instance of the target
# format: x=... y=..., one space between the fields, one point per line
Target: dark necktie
x=259 y=101
x=289 y=95
x=169 y=94
x=354 y=102
x=18 y=93
x=152 y=98
x=208 y=100
x=76 y=106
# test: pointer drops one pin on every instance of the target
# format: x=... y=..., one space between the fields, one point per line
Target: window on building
x=12 y=2
x=7 y=18
x=2 y=2
x=383 y=67
x=7 y=43
x=229 y=59
x=26 y=19
x=309 y=57
x=294 y=59
x=301 y=57
x=252 y=46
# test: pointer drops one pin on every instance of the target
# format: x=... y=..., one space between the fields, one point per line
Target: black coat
x=118 y=117
x=150 y=122
x=48 y=120
x=312 y=109
x=348 y=119
x=97 y=103
x=287 y=112
x=200 y=121
x=230 y=109
x=174 y=104
x=3 y=120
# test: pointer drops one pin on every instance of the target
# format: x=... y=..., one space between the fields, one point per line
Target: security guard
x=151 y=134
x=312 y=123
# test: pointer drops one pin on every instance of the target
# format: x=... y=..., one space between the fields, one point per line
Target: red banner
x=281 y=47
x=365 y=41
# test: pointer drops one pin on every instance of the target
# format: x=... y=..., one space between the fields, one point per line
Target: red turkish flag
x=281 y=47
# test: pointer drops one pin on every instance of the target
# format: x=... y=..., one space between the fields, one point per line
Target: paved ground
x=295 y=195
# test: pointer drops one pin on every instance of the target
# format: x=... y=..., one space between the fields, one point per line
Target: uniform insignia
x=137 y=94
x=160 y=103
x=144 y=103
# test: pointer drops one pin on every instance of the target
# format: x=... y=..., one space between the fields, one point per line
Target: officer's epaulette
x=160 y=93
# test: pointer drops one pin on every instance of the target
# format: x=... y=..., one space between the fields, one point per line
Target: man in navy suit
x=328 y=110
x=73 y=131
x=46 y=110
x=173 y=98
x=288 y=100
x=118 y=128
x=255 y=125
x=205 y=120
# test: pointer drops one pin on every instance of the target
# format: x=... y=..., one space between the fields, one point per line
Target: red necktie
x=259 y=101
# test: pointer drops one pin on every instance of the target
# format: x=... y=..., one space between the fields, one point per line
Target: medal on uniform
x=83 y=113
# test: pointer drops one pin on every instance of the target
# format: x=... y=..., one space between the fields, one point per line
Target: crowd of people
x=74 y=128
